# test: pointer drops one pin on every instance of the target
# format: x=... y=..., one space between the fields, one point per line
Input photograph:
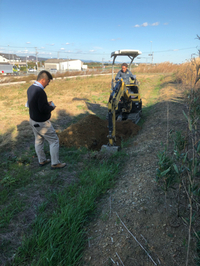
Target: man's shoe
x=45 y=162
x=58 y=166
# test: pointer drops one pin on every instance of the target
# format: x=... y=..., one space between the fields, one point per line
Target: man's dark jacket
x=125 y=75
x=39 y=108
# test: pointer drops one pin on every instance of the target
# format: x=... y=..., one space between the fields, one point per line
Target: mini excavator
x=124 y=101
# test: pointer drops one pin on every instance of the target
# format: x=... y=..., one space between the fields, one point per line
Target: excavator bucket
x=110 y=149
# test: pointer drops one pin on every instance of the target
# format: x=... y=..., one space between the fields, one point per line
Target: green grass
x=153 y=100
x=155 y=93
x=197 y=259
x=58 y=238
x=8 y=212
x=57 y=235
x=81 y=107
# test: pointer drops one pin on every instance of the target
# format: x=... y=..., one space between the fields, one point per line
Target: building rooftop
x=10 y=56
x=59 y=60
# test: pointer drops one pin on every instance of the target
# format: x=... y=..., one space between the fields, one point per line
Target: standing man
x=125 y=74
x=40 y=112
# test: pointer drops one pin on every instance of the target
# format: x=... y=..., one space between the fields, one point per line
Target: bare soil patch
x=91 y=132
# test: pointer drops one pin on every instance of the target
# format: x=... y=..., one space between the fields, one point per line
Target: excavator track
x=135 y=117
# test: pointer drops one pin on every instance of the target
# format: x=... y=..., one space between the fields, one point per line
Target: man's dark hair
x=44 y=75
x=124 y=64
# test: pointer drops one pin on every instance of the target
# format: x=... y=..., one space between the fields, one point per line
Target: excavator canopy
x=132 y=53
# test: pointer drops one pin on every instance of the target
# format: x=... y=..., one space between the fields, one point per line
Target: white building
x=9 y=58
x=63 y=64
x=84 y=67
x=3 y=59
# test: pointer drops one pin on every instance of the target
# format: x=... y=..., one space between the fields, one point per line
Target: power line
x=66 y=52
x=172 y=50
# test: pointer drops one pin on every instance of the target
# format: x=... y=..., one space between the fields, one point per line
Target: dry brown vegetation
x=165 y=67
x=185 y=73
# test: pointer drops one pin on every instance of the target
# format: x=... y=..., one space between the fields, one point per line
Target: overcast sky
x=91 y=30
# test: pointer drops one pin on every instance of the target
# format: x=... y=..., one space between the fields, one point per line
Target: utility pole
x=26 y=65
x=58 y=55
x=36 y=53
x=67 y=63
x=102 y=64
x=8 y=53
x=151 y=53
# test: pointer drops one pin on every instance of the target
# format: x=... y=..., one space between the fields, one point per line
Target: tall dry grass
x=165 y=67
x=81 y=73
x=186 y=73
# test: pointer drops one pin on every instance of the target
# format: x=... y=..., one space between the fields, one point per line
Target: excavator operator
x=125 y=74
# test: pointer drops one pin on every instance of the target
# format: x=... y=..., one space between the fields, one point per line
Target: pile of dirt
x=91 y=132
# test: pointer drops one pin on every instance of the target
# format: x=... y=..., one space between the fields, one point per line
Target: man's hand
x=52 y=104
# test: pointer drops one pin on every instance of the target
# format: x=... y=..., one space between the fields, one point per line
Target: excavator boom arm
x=117 y=92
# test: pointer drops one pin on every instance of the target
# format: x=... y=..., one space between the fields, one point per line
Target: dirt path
x=137 y=201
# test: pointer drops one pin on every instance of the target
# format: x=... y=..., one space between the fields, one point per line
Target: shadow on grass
x=95 y=108
x=21 y=135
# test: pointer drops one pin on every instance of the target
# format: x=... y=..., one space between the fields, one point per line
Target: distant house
x=63 y=64
x=3 y=59
x=9 y=58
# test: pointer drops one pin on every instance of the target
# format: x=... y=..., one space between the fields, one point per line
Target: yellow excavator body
x=124 y=102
